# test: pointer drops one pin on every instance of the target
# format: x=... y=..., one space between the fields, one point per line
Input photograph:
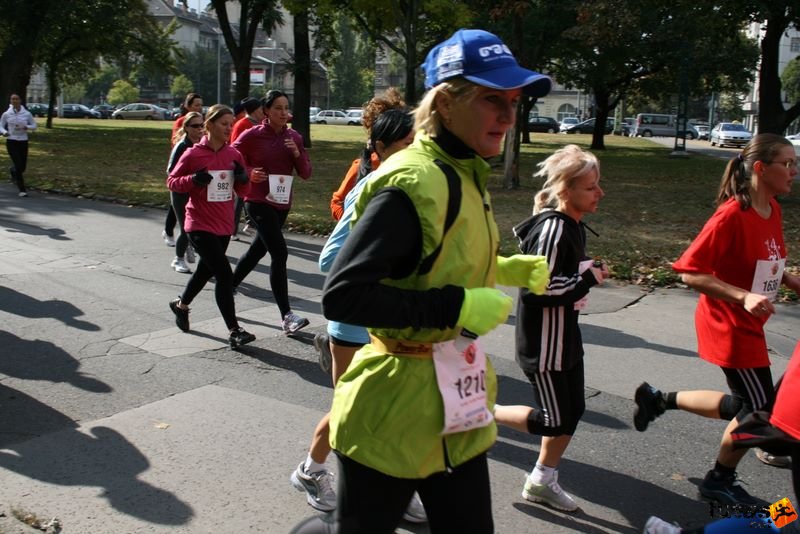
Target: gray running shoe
x=656 y=525
x=318 y=488
x=415 y=513
x=180 y=266
x=550 y=494
x=784 y=462
x=322 y=344
x=293 y=322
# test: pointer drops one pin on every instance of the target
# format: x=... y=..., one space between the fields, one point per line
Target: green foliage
x=410 y=29
x=98 y=85
x=122 y=92
x=199 y=65
x=790 y=78
x=181 y=86
x=73 y=92
x=350 y=67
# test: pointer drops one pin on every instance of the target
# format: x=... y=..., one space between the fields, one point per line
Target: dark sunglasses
x=195 y=125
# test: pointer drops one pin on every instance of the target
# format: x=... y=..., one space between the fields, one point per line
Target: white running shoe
x=550 y=494
x=656 y=525
x=168 y=239
x=180 y=266
x=190 y=257
x=318 y=488
x=415 y=513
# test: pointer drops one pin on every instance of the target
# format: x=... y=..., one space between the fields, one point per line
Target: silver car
x=140 y=111
x=729 y=133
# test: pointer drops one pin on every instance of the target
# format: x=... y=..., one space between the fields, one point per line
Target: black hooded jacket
x=547 y=333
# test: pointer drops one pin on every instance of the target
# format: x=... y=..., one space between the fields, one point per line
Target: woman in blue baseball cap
x=413 y=411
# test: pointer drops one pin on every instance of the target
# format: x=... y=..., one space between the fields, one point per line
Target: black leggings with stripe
x=751 y=390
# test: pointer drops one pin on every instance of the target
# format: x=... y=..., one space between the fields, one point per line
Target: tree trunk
x=411 y=69
x=302 y=76
x=522 y=120
x=510 y=167
x=16 y=65
x=771 y=115
x=52 y=88
x=602 y=109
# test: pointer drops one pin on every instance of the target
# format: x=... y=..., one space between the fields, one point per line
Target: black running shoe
x=322 y=344
x=726 y=490
x=181 y=315
x=240 y=337
x=649 y=405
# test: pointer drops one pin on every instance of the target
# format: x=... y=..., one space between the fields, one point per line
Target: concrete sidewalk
x=112 y=420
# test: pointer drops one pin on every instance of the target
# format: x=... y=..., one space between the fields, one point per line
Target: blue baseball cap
x=482 y=58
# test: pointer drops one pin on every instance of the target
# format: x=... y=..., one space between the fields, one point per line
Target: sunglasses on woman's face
x=195 y=125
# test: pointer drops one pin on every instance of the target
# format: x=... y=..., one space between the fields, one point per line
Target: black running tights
x=213 y=262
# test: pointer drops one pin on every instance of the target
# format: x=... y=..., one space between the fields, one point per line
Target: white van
x=656 y=124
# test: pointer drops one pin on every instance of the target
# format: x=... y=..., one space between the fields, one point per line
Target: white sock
x=311 y=466
x=542 y=474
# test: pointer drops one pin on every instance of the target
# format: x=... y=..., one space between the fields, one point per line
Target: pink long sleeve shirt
x=210 y=208
x=263 y=147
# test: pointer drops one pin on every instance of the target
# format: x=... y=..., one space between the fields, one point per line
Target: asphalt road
x=112 y=420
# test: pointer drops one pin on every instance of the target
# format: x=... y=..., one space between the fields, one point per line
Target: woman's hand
x=292 y=146
x=758 y=305
x=258 y=175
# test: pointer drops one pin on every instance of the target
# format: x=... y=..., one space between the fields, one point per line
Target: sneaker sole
x=722 y=497
x=298 y=485
x=541 y=500
x=638 y=423
x=289 y=333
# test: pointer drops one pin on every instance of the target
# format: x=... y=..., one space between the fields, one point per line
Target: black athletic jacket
x=547 y=333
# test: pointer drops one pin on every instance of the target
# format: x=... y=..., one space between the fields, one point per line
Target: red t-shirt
x=245 y=123
x=786 y=413
x=729 y=245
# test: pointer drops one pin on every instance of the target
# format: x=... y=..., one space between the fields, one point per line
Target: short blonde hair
x=560 y=170
x=427 y=117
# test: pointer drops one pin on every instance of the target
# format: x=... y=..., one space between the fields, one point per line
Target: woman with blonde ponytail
x=549 y=347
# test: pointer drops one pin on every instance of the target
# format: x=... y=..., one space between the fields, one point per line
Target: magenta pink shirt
x=263 y=147
x=202 y=215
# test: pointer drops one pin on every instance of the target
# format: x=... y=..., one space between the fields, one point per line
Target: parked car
x=105 y=110
x=661 y=124
x=566 y=122
x=37 y=109
x=330 y=116
x=587 y=127
x=542 y=124
x=729 y=133
x=355 y=117
x=78 y=111
x=312 y=112
x=702 y=131
x=140 y=111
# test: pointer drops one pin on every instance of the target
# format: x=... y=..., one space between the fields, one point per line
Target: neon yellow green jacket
x=387 y=412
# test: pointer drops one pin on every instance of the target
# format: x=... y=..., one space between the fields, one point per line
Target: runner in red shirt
x=737 y=264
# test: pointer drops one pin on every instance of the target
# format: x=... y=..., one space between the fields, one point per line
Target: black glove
x=202 y=178
x=239 y=174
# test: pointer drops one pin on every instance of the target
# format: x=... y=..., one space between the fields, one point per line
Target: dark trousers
x=269 y=223
x=370 y=502
x=178 y=213
x=213 y=262
x=18 y=152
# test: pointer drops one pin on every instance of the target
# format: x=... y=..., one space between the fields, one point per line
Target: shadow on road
x=104 y=459
x=611 y=337
x=15 y=227
x=12 y=301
